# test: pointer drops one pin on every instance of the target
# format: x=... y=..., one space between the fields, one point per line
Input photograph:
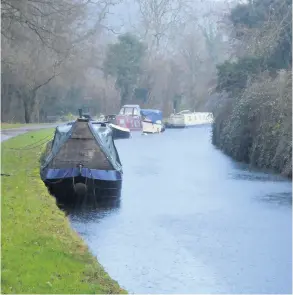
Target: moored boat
x=82 y=161
x=129 y=117
x=120 y=132
x=187 y=118
x=152 y=121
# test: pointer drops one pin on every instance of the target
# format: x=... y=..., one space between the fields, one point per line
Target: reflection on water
x=93 y=211
x=77 y=204
x=284 y=199
x=192 y=221
x=245 y=172
x=257 y=177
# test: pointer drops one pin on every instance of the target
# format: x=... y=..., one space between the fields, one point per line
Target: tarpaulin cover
x=152 y=115
x=102 y=135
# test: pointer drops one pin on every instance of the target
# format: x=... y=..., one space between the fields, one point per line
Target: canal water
x=191 y=220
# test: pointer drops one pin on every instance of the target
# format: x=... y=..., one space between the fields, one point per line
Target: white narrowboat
x=187 y=118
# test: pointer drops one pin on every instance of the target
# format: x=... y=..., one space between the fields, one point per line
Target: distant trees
x=46 y=45
x=185 y=41
x=159 y=18
x=124 y=61
x=55 y=55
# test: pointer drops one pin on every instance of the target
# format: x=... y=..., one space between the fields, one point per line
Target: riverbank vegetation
x=253 y=116
x=40 y=252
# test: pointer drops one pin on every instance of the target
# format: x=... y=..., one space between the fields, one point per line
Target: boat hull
x=186 y=120
x=151 y=128
x=82 y=163
x=99 y=184
x=174 y=126
x=120 y=132
x=177 y=126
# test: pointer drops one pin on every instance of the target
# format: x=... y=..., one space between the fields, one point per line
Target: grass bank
x=40 y=252
x=12 y=125
x=18 y=125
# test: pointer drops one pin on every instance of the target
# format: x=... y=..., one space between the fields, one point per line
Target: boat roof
x=151 y=111
x=130 y=106
x=190 y=112
x=153 y=115
x=101 y=133
x=64 y=128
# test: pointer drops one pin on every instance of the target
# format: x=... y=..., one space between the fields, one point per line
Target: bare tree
x=43 y=40
x=159 y=17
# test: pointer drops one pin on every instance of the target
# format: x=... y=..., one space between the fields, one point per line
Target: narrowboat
x=129 y=117
x=82 y=161
x=152 y=121
x=134 y=118
x=187 y=118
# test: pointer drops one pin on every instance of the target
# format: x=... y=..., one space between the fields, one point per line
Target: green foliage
x=257 y=127
x=232 y=76
x=281 y=56
x=254 y=124
x=123 y=61
x=251 y=14
x=271 y=18
x=267 y=15
x=41 y=254
x=141 y=94
x=255 y=13
x=69 y=104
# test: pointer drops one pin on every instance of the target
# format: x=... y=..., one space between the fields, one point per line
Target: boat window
x=136 y=124
x=135 y=112
x=128 y=111
x=121 y=111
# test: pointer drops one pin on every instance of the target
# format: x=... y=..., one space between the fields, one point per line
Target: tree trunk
x=27 y=112
x=29 y=103
x=124 y=95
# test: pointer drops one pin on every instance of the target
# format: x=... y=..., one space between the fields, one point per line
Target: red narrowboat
x=129 y=117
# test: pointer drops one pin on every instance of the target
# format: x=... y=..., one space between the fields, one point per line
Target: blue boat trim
x=106 y=175
x=152 y=115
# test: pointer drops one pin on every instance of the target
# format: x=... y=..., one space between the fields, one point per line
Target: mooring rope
x=33 y=145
